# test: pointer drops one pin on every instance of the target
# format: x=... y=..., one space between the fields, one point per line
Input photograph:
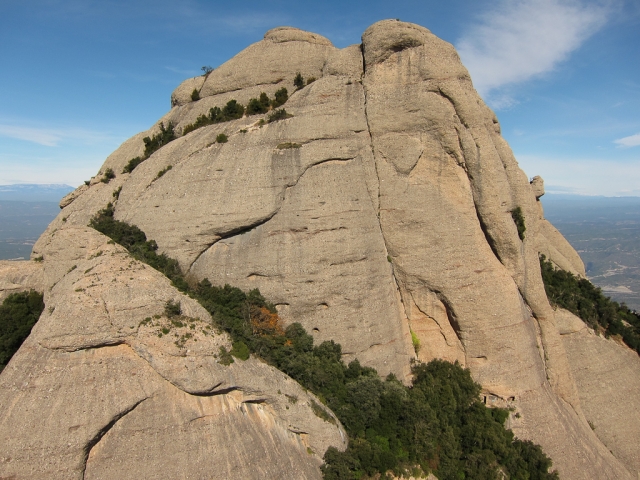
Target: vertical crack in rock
x=377 y=208
x=103 y=431
x=455 y=326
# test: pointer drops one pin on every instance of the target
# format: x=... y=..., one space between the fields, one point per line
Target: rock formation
x=383 y=207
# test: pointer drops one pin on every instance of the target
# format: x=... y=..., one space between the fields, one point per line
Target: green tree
x=19 y=312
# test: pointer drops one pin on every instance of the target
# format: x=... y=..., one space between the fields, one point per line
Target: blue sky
x=81 y=76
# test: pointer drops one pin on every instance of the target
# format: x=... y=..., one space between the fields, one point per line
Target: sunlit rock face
x=379 y=215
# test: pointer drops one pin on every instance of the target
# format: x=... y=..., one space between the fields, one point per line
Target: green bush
x=310 y=80
x=133 y=163
x=172 y=309
x=160 y=139
x=195 y=95
x=281 y=98
x=276 y=115
x=163 y=171
x=108 y=175
x=582 y=298
x=298 y=81
x=221 y=138
x=255 y=106
x=233 y=110
x=518 y=219
x=240 y=350
x=19 y=312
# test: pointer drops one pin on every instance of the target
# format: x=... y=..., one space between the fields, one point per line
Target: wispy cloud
x=521 y=39
x=630 y=141
x=50 y=137
x=42 y=136
x=584 y=176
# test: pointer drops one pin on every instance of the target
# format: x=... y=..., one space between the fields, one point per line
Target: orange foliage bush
x=263 y=322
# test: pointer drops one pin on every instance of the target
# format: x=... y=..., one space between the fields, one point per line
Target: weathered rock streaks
x=382 y=208
x=98 y=366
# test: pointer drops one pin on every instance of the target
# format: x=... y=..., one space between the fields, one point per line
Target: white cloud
x=631 y=141
x=51 y=137
x=521 y=39
x=41 y=136
x=584 y=176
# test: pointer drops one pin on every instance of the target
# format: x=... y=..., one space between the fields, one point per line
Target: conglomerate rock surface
x=381 y=208
x=101 y=390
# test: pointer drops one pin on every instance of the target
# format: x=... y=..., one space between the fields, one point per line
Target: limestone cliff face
x=392 y=215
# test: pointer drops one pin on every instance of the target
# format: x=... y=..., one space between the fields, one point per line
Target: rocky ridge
x=391 y=215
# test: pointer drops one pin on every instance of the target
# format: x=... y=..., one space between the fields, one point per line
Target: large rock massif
x=390 y=216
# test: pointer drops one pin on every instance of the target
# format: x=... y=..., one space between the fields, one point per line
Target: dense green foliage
x=18 y=314
x=233 y=110
x=281 y=97
x=258 y=105
x=108 y=175
x=518 y=219
x=582 y=298
x=195 y=95
x=438 y=424
x=160 y=139
x=221 y=138
x=298 y=81
x=132 y=164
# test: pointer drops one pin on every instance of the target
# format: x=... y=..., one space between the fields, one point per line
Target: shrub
x=310 y=80
x=281 y=98
x=108 y=175
x=133 y=163
x=160 y=139
x=163 y=171
x=416 y=341
x=221 y=138
x=256 y=106
x=284 y=146
x=240 y=350
x=518 y=219
x=280 y=114
x=172 y=309
x=582 y=298
x=233 y=110
x=206 y=70
x=201 y=121
x=19 y=312
x=298 y=81
x=195 y=95
x=224 y=357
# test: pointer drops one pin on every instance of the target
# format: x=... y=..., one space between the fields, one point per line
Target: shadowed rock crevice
x=104 y=430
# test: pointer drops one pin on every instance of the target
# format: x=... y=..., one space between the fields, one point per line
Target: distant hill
x=34 y=193
x=605 y=231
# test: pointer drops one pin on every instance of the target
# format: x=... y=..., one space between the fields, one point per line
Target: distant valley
x=25 y=212
x=606 y=233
